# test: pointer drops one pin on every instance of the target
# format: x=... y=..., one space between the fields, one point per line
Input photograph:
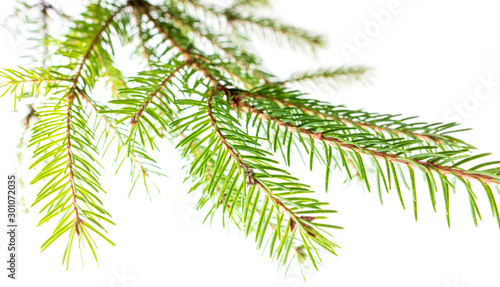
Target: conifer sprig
x=377 y=149
x=73 y=180
x=231 y=120
x=134 y=156
x=387 y=124
x=252 y=173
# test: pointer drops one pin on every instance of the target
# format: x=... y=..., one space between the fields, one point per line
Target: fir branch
x=78 y=147
x=62 y=139
x=250 y=176
x=225 y=46
x=221 y=194
x=250 y=3
x=195 y=60
x=205 y=8
x=240 y=105
x=36 y=80
x=229 y=142
x=314 y=109
x=37 y=75
x=191 y=60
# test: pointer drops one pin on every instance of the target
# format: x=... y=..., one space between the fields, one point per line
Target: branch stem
x=311 y=111
x=70 y=99
x=249 y=173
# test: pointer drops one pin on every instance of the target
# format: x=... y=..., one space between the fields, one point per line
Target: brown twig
x=310 y=111
x=70 y=98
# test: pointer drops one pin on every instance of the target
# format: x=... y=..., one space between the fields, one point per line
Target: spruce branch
x=230 y=135
x=17 y=82
x=66 y=143
x=147 y=107
x=208 y=9
x=324 y=111
x=250 y=3
x=81 y=176
x=231 y=142
x=342 y=72
x=220 y=200
x=412 y=161
x=445 y=170
x=192 y=25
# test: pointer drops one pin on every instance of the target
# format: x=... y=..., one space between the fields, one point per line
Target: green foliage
x=335 y=78
x=65 y=146
x=256 y=186
x=205 y=89
x=34 y=21
x=274 y=31
x=29 y=83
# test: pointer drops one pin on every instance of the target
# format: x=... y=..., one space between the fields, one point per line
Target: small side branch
x=190 y=57
x=91 y=46
x=249 y=173
x=115 y=131
x=137 y=16
x=165 y=81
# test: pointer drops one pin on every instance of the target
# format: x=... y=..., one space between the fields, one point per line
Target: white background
x=429 y=58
